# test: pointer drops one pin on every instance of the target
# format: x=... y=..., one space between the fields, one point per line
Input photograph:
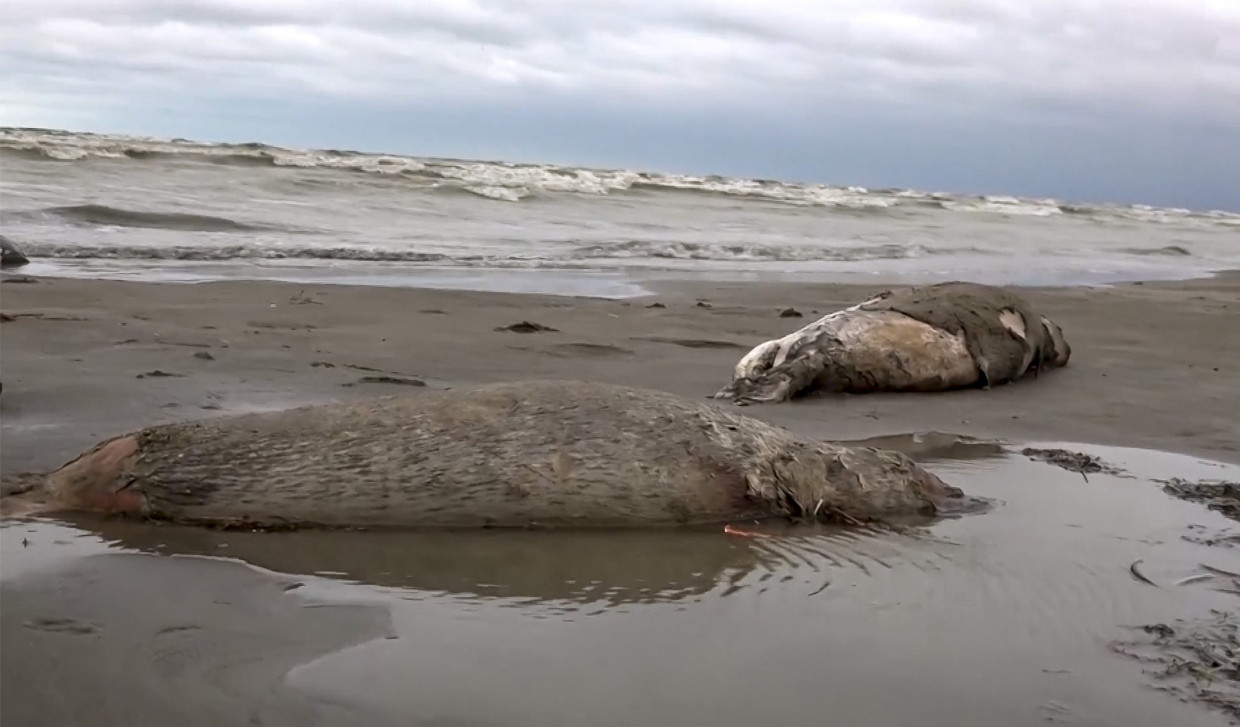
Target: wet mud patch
x=1085 y=464
x=1222 y=497
x=1194 y=660
x=96 y=636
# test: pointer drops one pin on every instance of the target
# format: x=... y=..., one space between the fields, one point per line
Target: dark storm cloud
x=786 y=70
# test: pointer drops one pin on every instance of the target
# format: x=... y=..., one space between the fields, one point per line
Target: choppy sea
x=141 y=208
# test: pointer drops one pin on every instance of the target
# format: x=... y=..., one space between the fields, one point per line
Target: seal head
x=861 y=484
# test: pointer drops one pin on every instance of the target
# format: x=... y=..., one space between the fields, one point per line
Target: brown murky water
x=999 y=618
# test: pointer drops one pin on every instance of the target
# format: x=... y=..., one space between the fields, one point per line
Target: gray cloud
x=796 y=65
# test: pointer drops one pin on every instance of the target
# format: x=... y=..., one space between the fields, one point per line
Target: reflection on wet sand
x=592 y=566
x=604 y=568
x=936 y=446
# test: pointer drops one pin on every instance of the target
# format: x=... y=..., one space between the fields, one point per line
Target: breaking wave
x=220 y=253
x=506 y=182
x=1166 y=251
x=641 y=249
x=571 y=254
x=97 y=215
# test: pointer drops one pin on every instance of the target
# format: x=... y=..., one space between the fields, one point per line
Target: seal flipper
x=983 y=371
x=1017 y=326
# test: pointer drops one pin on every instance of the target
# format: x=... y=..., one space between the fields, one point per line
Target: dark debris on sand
x=1198 y=661
x=1223 y=539
x=1195 y=661
x=1222 y=497
x=159 y=374
x=1072 y=461
x=384 y=379
x=527 y=327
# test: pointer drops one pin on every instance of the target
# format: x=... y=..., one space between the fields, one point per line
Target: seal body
x=541 y=453
x=932 y=338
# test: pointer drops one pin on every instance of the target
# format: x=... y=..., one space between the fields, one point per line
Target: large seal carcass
x=525 y=454
x=928 y=338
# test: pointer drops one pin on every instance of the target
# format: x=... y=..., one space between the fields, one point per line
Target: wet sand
x=1154 y=365
x=1010 y=615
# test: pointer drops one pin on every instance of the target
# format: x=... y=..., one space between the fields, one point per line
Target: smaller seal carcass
x=928 y=338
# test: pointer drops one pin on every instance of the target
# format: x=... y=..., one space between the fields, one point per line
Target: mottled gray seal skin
x=524 y=454
x=10 y=255
x=929 y=338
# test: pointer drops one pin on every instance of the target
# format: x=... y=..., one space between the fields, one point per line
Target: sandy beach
x=1154 y=367
x=1154 y=364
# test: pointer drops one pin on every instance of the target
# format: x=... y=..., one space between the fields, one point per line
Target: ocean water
x=141 y=208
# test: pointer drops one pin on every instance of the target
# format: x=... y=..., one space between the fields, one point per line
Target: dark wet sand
x=1154 y=365
x=139 y=639
x=687 y=626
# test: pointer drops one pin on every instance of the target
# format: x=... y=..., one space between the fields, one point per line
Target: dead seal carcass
x=928 y=338
x=540 y=453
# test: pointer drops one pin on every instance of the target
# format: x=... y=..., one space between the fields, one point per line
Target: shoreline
x=616 y=282
x=77 y=352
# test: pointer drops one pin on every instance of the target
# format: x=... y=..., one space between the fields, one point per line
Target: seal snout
x=758 y=390
x=947 y=499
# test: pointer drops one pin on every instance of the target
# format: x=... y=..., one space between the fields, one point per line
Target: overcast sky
x=1110 y=100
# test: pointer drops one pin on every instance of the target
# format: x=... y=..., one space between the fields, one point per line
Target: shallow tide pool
x=1005 y=617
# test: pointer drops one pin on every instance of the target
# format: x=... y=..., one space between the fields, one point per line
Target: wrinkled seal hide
x=928 y=338
x=525 y=454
